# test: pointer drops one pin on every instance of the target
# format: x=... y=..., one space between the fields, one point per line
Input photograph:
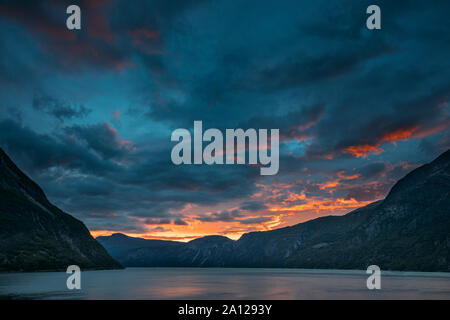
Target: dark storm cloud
x=81 y=174
x=179 y=222
x=59 y=109
x=114 y=34
x=93 y=187
x=223 y=216
x=372 y=170
x=42 y=151
x=157 y=221
x=68 y=48
x=102 y=139
x=391 y=98
x=367 y=193
x=253 y=206
x=292 y=125
x=355 y=71
x=255 y=220
x=116 y=222
x=300 y=70
x=413 y=117
x=153 y=195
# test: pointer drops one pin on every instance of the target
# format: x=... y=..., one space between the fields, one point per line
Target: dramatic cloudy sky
x=88 y=114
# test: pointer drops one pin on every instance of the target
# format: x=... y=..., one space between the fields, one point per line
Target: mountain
x=408 y=230
x=36 y=235
x=138 y=252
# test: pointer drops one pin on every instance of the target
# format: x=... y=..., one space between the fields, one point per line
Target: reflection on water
x=217 y=283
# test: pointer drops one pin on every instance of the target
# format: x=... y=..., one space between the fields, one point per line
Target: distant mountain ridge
x=408 y=230
x=35 y=235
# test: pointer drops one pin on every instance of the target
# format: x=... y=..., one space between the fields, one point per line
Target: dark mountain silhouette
x=209 y=251
x=36 y=235
x=408 y=230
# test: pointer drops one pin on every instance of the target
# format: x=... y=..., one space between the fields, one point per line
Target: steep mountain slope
x=36 y=235
x=408 y=230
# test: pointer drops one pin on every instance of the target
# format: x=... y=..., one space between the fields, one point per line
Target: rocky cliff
x=36 y=235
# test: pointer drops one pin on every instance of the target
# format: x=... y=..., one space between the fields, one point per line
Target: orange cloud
x=329 y=184
x=403 y=134
x=399 y=135
x=294 y=197
x=363 y=150
x=321 y=205
x=341 y=174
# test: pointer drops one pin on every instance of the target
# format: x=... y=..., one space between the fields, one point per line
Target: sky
x=88 y=114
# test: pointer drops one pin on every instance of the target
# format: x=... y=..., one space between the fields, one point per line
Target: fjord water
x=218 y=283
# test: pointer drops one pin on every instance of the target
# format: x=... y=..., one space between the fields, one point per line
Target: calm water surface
x=217 y=283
